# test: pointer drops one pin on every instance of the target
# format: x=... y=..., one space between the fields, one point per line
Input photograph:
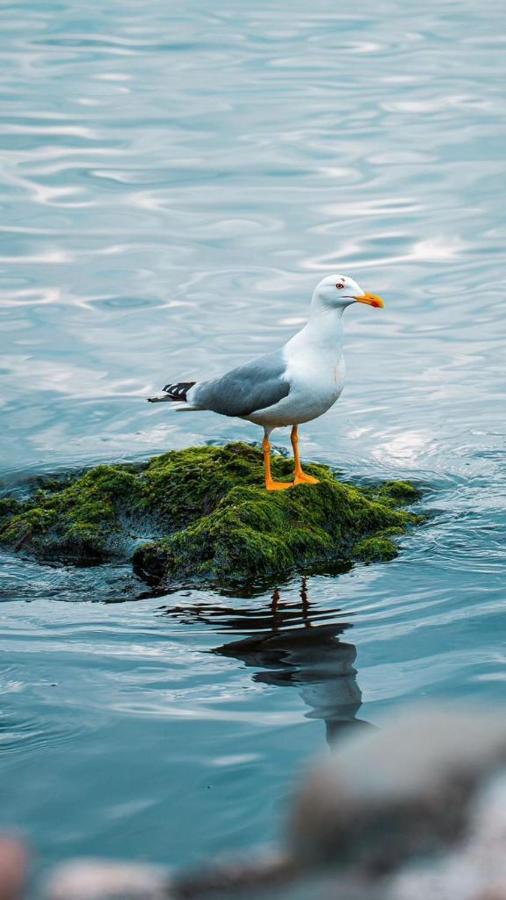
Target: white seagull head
x=339 y=291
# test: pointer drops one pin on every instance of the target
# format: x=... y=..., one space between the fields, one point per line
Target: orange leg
x=269 y=483
x=300 y=476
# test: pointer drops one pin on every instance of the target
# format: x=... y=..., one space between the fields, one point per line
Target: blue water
x=175 y=178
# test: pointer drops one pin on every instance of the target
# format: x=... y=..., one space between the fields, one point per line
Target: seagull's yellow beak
x=371 y=300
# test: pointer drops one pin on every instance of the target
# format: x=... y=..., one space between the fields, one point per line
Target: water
x=175 y=179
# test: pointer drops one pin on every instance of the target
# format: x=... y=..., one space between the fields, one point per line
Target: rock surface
x=203 y=515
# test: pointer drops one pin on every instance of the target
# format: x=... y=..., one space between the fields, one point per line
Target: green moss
x=9 y=506
x=79 y=522
x=208 y=518
x=378 y=548
x=399 y=492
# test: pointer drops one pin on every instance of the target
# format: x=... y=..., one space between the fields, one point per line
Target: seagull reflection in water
x=288 y=648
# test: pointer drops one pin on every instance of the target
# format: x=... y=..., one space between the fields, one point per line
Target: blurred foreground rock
x=386 y=796
x=414 y=811
x=13 y=864
x=94 y=879
x=476 y=870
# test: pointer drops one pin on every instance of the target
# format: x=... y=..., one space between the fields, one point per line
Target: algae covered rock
x=203 y=515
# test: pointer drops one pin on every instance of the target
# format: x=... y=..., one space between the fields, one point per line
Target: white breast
x=316 y=377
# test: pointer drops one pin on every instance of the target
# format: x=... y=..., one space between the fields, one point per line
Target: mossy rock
x=208 y=518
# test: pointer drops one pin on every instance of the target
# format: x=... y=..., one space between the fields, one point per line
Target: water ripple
x=175 y=179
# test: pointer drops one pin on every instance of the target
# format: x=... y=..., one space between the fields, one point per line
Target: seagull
x=287 y=387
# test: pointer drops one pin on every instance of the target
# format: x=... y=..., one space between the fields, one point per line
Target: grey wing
x=245 y=390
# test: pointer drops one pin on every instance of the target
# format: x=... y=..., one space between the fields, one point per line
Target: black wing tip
x=178 y=390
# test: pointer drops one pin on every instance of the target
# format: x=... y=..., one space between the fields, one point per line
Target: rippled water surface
x=175 y=178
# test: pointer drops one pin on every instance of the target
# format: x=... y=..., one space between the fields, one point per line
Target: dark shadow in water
x=288 y=648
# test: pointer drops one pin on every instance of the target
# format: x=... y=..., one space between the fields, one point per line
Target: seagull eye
x=340 y=285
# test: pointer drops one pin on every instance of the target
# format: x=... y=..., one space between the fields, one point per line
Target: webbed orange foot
x=302 y=478
x=278 y=485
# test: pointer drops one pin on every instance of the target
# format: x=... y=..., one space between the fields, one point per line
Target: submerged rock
x=208 y=518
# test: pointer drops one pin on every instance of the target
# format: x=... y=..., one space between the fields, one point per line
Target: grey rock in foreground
x=13 y=868
x=476 y=870
x=384 y=796
x=414 y=811
x=108 y=880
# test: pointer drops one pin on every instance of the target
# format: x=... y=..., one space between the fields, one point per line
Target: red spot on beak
x=370 y=300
